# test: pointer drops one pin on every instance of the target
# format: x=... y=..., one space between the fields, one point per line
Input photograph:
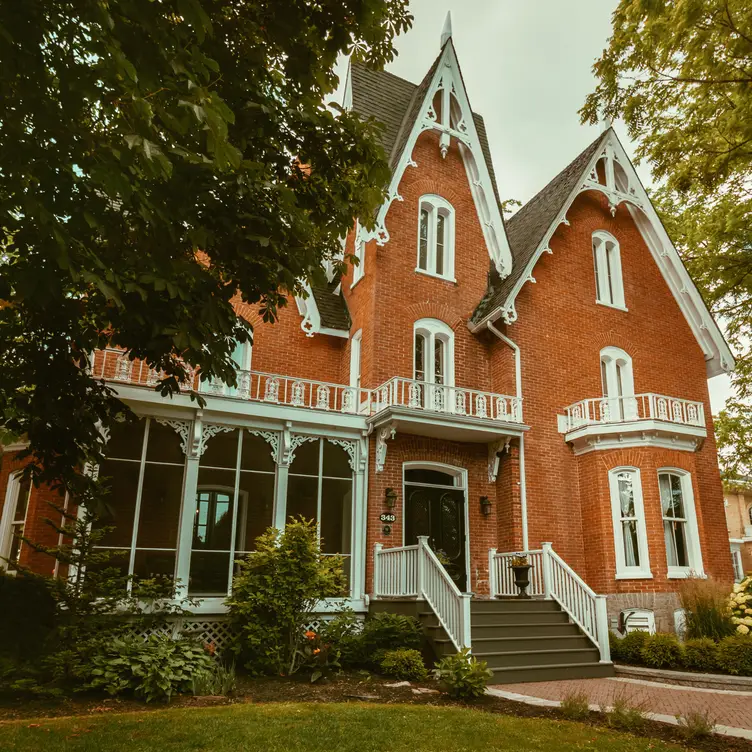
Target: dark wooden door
x=439 y=513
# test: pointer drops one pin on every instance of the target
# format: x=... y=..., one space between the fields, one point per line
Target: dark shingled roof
x=527 y=228
x=332 y=307
x=395 y=103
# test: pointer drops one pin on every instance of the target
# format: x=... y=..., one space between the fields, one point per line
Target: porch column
x=188 y=510
x=359 y=522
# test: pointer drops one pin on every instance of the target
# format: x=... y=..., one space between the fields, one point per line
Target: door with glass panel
x=435 y=507
x=431 y=371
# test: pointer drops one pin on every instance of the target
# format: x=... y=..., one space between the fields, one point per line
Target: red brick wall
x=561 y=330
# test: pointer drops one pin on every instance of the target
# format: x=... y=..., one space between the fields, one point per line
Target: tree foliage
x=680 y=75
x=133 y=134
x=733 y=432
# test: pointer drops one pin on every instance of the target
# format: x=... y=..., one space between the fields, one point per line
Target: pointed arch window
x=436 y=237
x=359 y=252
x=617 y=381
x=609 y=286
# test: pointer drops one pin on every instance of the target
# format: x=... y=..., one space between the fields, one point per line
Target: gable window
x=436 y=237
x=609 y=287
x=679 y=523
x=628 y=514
x=14 y=520
x=617 y=382
x=359 y=251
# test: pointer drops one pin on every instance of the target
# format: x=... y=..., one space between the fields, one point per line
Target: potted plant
x=521 y=568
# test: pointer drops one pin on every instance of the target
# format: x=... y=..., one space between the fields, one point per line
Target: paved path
x=728 y=708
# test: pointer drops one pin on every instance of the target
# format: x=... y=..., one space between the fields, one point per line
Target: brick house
x=471 y=389
x=738 y=503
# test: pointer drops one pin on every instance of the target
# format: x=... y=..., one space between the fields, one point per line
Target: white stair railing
x=416 y=571
x=554 y=579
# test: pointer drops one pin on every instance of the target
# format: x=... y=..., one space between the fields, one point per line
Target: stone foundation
x=663 y=605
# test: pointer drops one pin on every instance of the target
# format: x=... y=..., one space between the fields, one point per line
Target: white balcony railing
x=554 y=579
x=415 y=571
x=115 y=365
x=636 y=407
x=450 y=400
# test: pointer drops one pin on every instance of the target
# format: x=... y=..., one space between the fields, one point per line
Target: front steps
x=523 y=641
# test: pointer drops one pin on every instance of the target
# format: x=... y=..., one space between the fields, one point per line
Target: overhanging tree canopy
x=134 y=133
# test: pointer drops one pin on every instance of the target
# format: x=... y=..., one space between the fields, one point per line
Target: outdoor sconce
x=390 y=497
x=485 y=506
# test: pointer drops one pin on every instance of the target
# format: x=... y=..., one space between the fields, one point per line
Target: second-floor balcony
x=657 y=419
x=406 y=404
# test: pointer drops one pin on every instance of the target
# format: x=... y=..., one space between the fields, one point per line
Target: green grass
x=313 y=728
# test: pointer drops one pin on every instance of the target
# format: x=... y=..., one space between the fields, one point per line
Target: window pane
x=221 y=450
x=336 y=516
x=598 y=292
x=631 y=549
x=626 y=496
x=255 y=509
x=439 y=350
x=212 y=527
x=302 y=497
x=604 y=378
x=609 y=259
x=16 y=532
x=420 y=368
x=151 y=564
x=336 y=461
x=256 y=454
x=440 y=242
x=306 y=460
x=210 y=573
x=126 y=440
x=161 y=498
x=22 y=500
x=676 y=543
x=423 y=241
x=419 y=475
x=164 y=444
x=120 y=502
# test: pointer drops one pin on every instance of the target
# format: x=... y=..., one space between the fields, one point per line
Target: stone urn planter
x=521 y=570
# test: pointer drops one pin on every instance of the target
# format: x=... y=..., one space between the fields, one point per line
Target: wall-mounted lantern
x=390 y=497
x=485 y=506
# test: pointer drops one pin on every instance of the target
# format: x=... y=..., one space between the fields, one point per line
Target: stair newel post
x=601 y=621
x=492 y=588
x=466 y=634
x=546 y=564
x=376 y=568
x=421 y=573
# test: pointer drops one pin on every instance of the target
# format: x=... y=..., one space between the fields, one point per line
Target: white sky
x=527 y=68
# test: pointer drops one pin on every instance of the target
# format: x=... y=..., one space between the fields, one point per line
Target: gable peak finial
x=446 y=33
x=605 y=123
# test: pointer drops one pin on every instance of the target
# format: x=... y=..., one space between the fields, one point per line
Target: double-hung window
x=609 y=286
x=628 y=514
x=680 y=533
x=436 y=237
x=13 y=520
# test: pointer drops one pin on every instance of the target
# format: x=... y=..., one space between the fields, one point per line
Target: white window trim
x=607 y=258
x=359 y=251
x=433 y=329
x=437 y=205
x=624 y=572
x=694 y=551
x=6 y=521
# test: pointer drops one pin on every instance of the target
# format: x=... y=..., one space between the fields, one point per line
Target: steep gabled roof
x=527 y=228
x=396 y=104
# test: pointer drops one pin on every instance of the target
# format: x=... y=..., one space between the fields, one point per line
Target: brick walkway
x=727 y=708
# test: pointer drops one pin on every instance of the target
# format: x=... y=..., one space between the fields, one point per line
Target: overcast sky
x=527 y=68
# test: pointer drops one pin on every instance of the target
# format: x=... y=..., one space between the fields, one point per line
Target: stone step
x=523 y=658
x=551 y=672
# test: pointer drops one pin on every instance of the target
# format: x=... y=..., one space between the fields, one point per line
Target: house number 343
x=386 y=517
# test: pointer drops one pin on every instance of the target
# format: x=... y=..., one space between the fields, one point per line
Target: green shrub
x=218 y=679
x=385 y=631
x=319 y=657
x=624 y=714
x=344 y=632
x=661 y=650
x=706 y=609
x=462 y=675
x=28 y=615
x=735 y=655
x=152 y=669
x=696 y=724
x=701 y=654
x=740 y=604
x=276 y=592
x=404 y=664
x=614 y=643
x=575 y=706
x=630 y=646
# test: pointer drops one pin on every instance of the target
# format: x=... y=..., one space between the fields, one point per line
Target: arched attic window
x=436 y=237
x=617 y=381
x=609 y=285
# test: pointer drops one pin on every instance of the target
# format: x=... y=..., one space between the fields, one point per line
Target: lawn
x=298 y=727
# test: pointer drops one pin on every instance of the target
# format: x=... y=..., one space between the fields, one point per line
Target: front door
x=437 y=511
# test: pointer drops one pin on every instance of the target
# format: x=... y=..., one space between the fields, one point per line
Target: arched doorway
x=435 y=506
